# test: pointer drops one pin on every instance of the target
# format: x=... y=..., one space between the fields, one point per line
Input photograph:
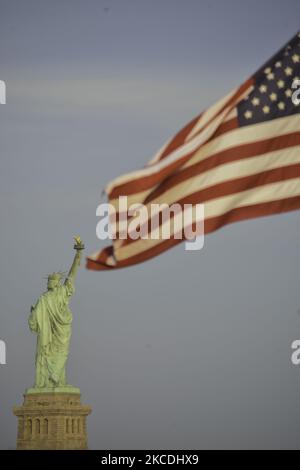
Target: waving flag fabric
x=240 y=158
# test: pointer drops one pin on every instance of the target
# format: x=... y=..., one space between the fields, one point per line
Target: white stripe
x=233 y=114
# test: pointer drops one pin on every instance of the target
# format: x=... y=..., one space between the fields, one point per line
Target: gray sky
x=191 y=349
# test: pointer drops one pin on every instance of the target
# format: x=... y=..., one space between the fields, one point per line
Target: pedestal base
x=52 y=420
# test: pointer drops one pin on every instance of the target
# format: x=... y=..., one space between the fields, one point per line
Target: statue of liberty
x=51 y=320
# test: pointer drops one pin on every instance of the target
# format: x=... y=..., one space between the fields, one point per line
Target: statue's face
x=52 y=284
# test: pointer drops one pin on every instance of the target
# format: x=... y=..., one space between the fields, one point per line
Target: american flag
x=240 y=158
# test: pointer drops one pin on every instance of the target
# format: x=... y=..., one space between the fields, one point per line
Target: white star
x=295 y=58
x=273 y=97
x=281 y=105
x=255 y=101
x=263 y=88
x=266 y=109
x=280 y=83
x=270 y=76
x=248 y=114
x=278 y=64
x=288 y=71
x=268 y=70
x=288 y=93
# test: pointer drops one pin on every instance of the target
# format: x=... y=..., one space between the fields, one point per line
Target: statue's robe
x=51 y=319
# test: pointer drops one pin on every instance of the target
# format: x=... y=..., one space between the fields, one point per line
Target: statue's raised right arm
x=79 y=246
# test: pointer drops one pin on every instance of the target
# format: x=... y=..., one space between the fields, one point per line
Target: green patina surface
x=51 y=320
